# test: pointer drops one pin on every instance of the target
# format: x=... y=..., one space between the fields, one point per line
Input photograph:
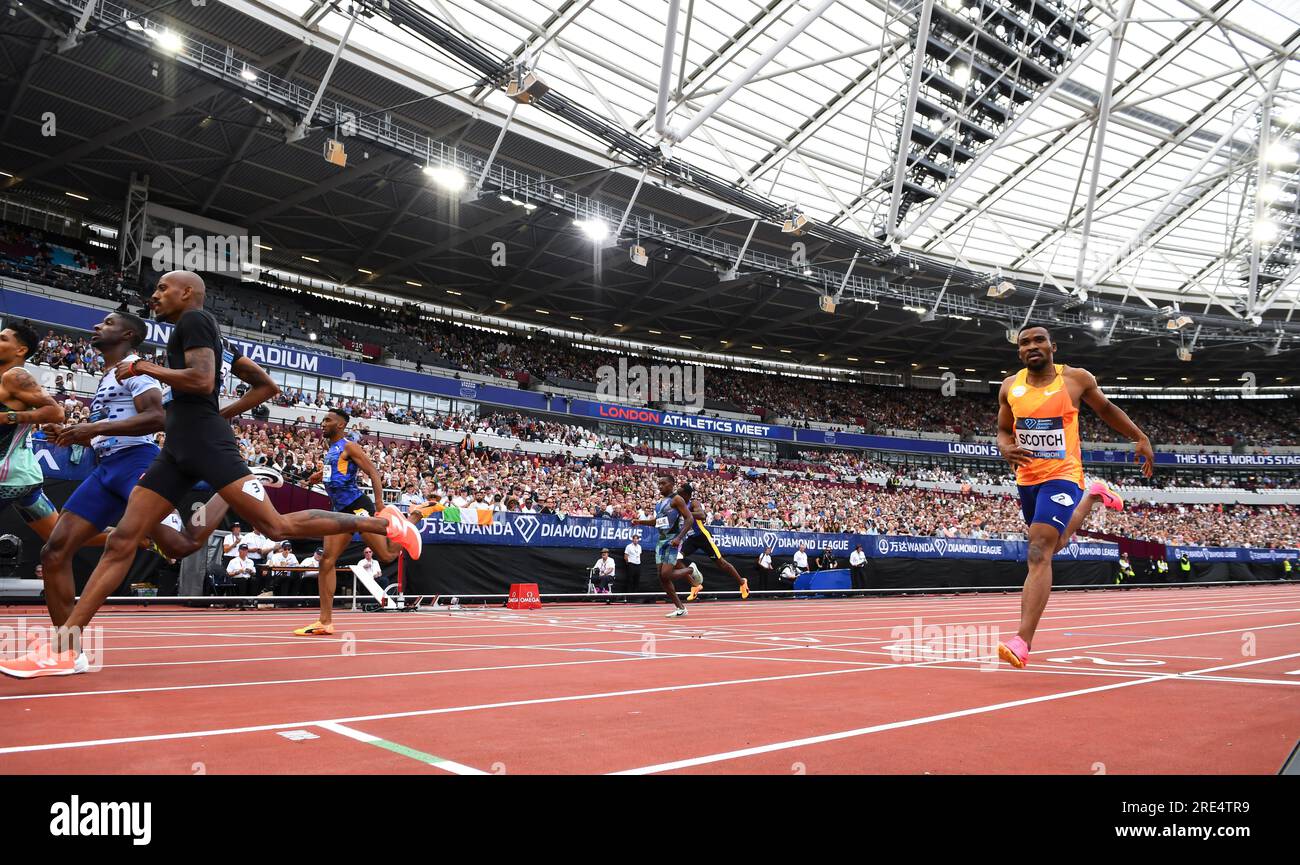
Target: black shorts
x=362 y=505
x=700 y=541
x=184 y=461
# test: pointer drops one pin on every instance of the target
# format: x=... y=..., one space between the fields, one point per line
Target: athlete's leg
x=177 y=544
x=328 y=579
x=1043 y=538
x=1077 y=519
x=144 y=510
x=70 y=534
x=251 y=504
x=39 y=513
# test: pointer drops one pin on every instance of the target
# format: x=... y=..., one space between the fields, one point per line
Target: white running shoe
x=697 y=578
x=677 y=613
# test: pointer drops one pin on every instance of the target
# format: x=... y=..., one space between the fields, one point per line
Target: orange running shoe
x=316 y=629
x=1108 y=496
x=405 y=533
x=43 y=662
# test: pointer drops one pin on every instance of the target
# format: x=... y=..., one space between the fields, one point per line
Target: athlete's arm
x=688 y=520
x=316 y=477
x=358 y=456
x=260 y=387
x=1011 y=452
x=149 y=418
x=21 y=386
x=199 y=375
x=1115 y=418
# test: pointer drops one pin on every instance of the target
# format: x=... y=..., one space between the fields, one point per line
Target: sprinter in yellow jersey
x=1038 y=433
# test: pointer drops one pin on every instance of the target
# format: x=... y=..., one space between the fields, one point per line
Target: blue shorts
x=101 y=498
x=666 y=553
x=1051 y=502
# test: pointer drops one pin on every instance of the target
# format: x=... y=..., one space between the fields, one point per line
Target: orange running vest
x=1047 y=424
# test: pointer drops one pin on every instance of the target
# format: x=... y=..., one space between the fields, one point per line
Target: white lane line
x=911 y=722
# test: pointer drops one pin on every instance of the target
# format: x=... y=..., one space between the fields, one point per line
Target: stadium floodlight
x=248 y=75
x=1280 y=153
x=131 y=23
x=1097 y=323
x=594 y=229
x=961 y=75
x=168 y=40
x=1265 y=231
x=1178 y=323
x=448 y=177
x=1273 y=193
x=1001 y=289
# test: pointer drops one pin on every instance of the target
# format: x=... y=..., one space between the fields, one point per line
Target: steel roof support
x=1103 y=118
x=909 y=115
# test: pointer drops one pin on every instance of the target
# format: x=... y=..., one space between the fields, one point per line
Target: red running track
x=1189 y=681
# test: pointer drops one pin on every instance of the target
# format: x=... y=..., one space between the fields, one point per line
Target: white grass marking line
x=897 y=725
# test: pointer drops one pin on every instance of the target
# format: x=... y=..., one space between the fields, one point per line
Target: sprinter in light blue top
x=674 y=521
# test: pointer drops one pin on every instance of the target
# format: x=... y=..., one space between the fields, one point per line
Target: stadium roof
x=816 y=128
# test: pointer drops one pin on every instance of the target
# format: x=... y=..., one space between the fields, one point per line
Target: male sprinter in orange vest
x=1038 y=433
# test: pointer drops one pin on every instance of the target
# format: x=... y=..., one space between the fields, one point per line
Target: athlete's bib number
x=661 y=523
x=1044 y=437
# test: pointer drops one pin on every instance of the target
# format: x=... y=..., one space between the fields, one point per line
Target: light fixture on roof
x=335 y=154
x=594 y=229
x=1001 y=289
x=961 y=75
x=448 y=177
x=168 y=40
x=526 y=86
x=796 y=223
x=638 y=255
x=248 y=75
x=131 y=23
x=1280 y=153
x=1097 y=323
x=1265 y=231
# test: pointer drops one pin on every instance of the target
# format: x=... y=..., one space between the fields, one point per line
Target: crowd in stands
x=471 y=475
x=283 y=311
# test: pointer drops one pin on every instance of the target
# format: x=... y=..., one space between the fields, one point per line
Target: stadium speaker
x=796 y=224
x=826 y=303
x=335 y=154
x=1001 y=289
x=1184 y=354
x=526 y=88
x=637 y=254
x=1013 y=335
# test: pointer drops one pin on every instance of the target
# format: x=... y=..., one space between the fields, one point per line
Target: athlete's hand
x=1146 y=456
x=75 y=434
x=123 y=370
x=1016 y=455
x=677 y=543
